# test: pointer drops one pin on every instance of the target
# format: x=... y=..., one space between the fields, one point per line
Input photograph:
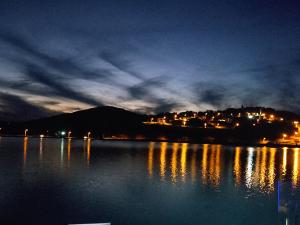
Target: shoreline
x=242 y=144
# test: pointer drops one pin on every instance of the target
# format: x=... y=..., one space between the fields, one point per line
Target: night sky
x=147 y=56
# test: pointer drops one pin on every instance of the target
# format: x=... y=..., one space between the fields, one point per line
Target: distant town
x=245 y=117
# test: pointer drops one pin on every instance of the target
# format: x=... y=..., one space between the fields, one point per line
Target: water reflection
x=174 y=161
x=249 y=167
x=204 y=163
x=183 y=161
x=25 y=144
x=200 y=176
x=284 y=162
x=41 y=149
x=62 y=146
x=88 y=152
x=271 y=169
x=162 y=159
x=69 y=151
x=295 y=168
x=237 y=165
x=193 y=163
x=255 y=168
x=150 y=158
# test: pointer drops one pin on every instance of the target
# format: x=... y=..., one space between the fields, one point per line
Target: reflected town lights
x=88 y=152
x=193 y=163
x=41 y=149
x=62 y=151
x=263 y=165
x=174 y=161
x=249 y=167
x=237 y=166
x=295 y=172
x=204 y=163
x=162 y=159
x=150 y=158
x=69 y=151
x=25 y=150
x=184 y=148
x=271 y=168
x=284 y=161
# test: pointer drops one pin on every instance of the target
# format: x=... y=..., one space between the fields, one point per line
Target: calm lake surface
x=57 y=181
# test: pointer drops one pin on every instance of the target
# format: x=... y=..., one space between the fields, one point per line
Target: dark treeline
x=111 y=122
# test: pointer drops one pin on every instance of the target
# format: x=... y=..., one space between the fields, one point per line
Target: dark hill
x=97 y=120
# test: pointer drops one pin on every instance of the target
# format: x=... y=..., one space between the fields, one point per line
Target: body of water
x=58 y=181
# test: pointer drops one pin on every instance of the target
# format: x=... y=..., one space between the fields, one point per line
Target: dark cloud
x=13 y=107
x=210 y=93
x=119 y=63
x=66 y=66
x=144 y=90
x=37 y=74
x=273 y=85
x=35 y=66
x=147 y=90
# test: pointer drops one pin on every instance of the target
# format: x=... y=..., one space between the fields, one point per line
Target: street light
x=25 y=132
x=284 y=136
x=89 y=135
x=69 y=134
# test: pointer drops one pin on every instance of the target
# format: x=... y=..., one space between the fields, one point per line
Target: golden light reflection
x=284 y=161
x=271 y=174
x=218 y=166
x=212 y=163
x=88 y=152
x=184 y=148
x=295 y=172
x=25 y=150
x=204 y=163
x=150 y=158
x=262 y=176
x=174 y=161
x=249 y=167
x=237 y=165
x=256 y=173
x=41 y=150
x=62 y=146
x=162 y=159
x=193 y=163
x=259 y=171
x=69 y=151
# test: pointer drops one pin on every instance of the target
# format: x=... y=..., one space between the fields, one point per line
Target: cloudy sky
x=148 y=56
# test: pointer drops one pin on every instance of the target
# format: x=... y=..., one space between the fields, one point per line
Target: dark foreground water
x=56 y=181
